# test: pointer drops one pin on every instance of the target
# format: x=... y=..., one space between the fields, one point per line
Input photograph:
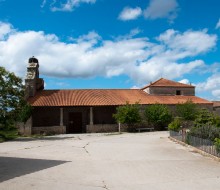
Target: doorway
x=75 y=122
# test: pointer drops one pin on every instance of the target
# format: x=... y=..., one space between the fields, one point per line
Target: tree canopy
x=128 y=114
x=158 y=115
x=187 y=110
x=11 y=101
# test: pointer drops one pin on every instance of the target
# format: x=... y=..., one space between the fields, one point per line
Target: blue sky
x=114 y=43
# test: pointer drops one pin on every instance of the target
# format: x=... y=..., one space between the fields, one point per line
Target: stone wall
x=170 y=91
x=106 y=128
x=101 y=128
x=25 y=128
x=51 y=130
x=217 y=110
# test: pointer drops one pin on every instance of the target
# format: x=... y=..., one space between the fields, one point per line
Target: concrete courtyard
x=105 y=161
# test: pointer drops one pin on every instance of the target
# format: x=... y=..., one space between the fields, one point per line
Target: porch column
x=91 y=116
x=61 y=116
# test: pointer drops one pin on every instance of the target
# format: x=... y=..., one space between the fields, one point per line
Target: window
x=178 y=92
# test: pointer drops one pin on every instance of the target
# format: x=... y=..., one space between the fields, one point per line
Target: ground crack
x=105 y=186
x=84 y=147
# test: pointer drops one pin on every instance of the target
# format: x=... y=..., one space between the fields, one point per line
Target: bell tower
x=32 y=81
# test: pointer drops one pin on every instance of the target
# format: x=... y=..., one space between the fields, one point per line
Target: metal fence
x=205 y=145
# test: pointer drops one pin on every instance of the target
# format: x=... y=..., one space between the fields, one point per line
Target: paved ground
x=98 y=161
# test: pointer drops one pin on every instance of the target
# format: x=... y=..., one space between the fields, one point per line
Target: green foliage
x=217 y=144
x=206 y=132
x=8 y=130
x=128 y=114
x=25 y=113
x=206 y=125
x=187 y=110
x=216 y=120
x=204 y=117
x=158 y=115
x=175 y=125
x=11 y=102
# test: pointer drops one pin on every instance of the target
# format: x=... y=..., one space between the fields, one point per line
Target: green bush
x=8 y=131
x=206 y=132
x=216 y=120
x=217 y=144
x=175 y=125
x=187 y=110
x=204 y=117
x=128 y=114
x=25 y=113
x=158 y=115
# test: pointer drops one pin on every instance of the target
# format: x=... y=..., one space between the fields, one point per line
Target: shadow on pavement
x=45 y=138
x=11 y=167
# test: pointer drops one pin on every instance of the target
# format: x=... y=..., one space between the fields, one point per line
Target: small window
x=178 y=92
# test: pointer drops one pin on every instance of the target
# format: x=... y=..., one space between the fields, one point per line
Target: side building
x=91 y=110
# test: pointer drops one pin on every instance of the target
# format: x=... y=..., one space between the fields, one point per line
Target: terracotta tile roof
x=105 y=97
x=216 y=103
x=167 y=83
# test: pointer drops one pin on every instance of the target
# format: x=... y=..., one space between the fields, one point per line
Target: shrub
x=175 y=125
x=204 y=117
x=206 y=132
x=128 y=114
x=217 y=145
x=216 y=120
x=158 y=115
x=187 y=110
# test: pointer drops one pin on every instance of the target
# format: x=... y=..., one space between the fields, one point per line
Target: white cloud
x=212 y=84
x=216 y=93
x=90 y=55
x=217 y=25
x=43 y=3
x=129 y=13
x=161 y=9
x=69 y=5
x=184 y=81
x=191 y=42
x=5 y=30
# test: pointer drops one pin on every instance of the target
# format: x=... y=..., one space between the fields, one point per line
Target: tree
x=187 y=110
x=11 y=103
x=128 y=114
x=205 y=117
x=158 y=115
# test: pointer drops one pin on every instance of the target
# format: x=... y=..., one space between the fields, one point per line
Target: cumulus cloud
x=217 y=25
x=69 y=5
x=90 y=55
x=184 y=81
x=216 y=93
x=129 y=13
x=161 y=9
x=5 y=30
x=212 y=83
x=190 y=42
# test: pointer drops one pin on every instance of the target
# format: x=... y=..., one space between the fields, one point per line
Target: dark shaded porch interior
x=74 y=118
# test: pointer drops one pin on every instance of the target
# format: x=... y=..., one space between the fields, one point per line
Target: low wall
x=25 y=128
x=49 y=130
x=101 y=128
x=105 y=128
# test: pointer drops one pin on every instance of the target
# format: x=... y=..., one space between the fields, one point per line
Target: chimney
x=32 y=81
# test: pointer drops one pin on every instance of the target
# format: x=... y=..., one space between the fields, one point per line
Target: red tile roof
x=105 y=97
x=167 y=83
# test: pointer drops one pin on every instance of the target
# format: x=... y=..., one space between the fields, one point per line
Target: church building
x=91 y=110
